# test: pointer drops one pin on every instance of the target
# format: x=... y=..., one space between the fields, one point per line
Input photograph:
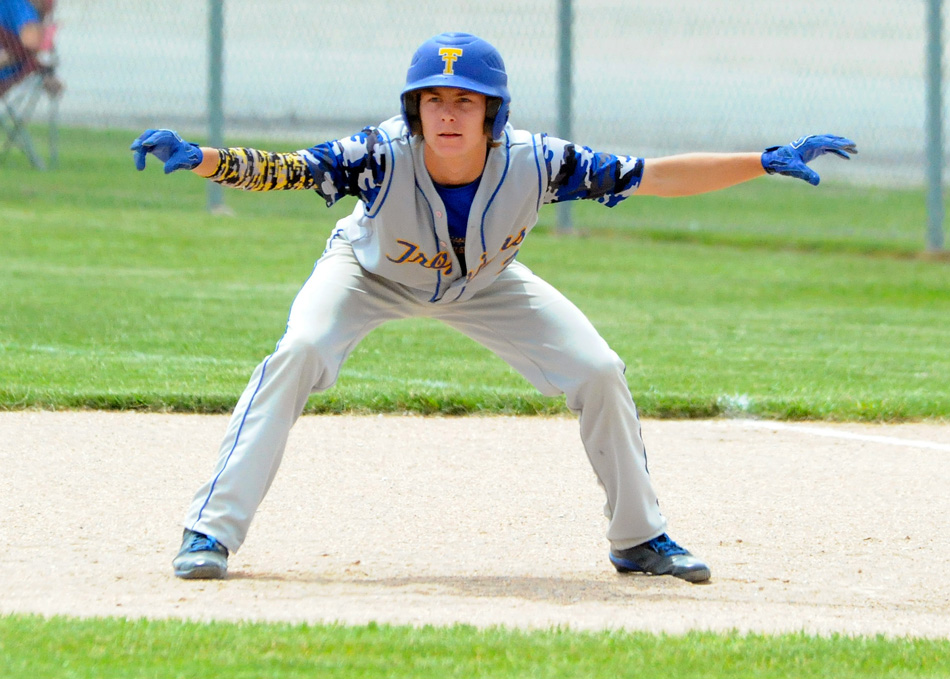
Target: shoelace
x=203 y=543
x=664 y=546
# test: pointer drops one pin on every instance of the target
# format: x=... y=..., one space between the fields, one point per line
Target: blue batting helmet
x=460 y=60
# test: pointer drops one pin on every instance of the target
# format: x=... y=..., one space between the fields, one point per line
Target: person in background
x=31 y=22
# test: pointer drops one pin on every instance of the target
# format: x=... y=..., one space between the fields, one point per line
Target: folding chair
x=21 y=92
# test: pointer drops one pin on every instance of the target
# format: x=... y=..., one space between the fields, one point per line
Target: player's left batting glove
x=168 y=147
x=791 y=159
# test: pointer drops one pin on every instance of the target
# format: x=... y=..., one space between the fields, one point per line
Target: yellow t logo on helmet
x=449 y=56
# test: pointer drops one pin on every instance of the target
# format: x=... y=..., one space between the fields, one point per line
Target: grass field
x=119 y=649
x=119 y=290
x=773 y=299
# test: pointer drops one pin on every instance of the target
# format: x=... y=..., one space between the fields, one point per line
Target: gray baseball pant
x=520 y=317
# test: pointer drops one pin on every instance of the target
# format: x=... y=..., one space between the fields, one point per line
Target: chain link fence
x=650 y=78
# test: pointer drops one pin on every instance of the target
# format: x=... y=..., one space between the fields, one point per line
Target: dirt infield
x=815 y=527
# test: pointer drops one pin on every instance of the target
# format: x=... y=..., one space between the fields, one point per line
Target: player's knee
x=596 y=373
x=307 y=360
x=605 y=367
x=300 y=349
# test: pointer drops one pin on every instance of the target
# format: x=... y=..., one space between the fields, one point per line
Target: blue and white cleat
x=660 y=556
x=201 y=557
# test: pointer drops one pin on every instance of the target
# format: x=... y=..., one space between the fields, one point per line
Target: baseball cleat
x=660 y=556
x=201 y=557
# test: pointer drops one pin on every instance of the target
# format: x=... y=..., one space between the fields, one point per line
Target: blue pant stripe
x=237 y=437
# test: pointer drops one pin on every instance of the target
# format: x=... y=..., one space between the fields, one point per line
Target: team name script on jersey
x=442 y=261
x=413 y=254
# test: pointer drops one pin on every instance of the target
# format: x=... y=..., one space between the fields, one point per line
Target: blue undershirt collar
x=458 y=205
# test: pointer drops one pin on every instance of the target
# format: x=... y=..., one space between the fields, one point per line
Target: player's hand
x=792 y=159
x=168 y=147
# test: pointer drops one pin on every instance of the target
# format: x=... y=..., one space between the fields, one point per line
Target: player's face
x=453 y=123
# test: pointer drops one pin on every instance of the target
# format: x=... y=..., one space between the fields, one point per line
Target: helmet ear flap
x=492 y=108
x=410 y=107
x=492 y=105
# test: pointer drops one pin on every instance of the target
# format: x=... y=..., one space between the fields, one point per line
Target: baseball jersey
x=399 y=226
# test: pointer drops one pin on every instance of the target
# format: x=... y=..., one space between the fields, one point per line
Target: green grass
x=774 y=299
x=35 y=648
x=118 y=290
x=783 y=214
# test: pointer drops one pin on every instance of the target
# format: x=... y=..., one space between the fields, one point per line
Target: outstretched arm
x=693 y=173
x=248 y=169
x=354 y=166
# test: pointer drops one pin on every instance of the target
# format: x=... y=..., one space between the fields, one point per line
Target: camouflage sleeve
x=577 y=173
x=354 y=166
x=347 y=167
x=254 y=170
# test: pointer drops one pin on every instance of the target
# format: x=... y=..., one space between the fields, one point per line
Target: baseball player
x=447 y=193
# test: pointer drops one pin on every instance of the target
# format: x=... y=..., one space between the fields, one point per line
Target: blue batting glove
x=791 y=159
x=168 y=147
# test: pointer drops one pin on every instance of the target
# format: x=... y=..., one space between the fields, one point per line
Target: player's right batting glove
x=791 y=159
x=168 y=147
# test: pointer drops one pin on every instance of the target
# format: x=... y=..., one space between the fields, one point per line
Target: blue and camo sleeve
x=578 y=173
x=354 y=166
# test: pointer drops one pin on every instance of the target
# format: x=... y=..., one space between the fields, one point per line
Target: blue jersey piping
x=497 y=189
x=438 y=284
x=537 y=164
x=376 y=208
